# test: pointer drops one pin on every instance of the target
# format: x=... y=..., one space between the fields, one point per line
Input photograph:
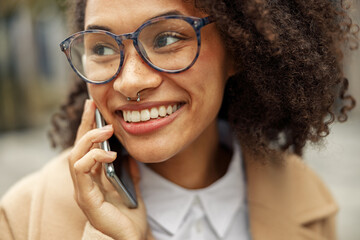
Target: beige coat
x=286 y=202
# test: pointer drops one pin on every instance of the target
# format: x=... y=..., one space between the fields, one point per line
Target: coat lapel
x=284 y=199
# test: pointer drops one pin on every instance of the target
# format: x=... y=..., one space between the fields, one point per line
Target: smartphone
x=117 y=172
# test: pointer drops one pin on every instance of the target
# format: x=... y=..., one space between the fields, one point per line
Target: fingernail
x=111 y=154
x=87 y=103
x=107 y=127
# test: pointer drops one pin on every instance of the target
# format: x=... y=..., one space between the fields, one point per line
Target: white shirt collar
x=167 y=203
x=223 y=198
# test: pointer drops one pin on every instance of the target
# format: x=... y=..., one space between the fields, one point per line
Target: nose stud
x=137 y=99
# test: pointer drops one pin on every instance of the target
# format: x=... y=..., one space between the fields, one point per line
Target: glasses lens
x=169 y=44
x=96 y=56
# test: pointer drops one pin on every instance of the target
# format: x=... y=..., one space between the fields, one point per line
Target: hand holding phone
x=119 y=177
x=104 y=209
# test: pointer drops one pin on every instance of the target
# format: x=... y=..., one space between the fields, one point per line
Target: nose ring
x=137 y=99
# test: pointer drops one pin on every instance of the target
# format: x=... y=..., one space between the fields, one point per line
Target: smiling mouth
x=153 y=113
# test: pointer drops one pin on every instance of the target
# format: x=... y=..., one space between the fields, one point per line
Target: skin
x=185 y=151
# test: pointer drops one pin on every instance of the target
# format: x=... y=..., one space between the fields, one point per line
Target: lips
x=145 y=118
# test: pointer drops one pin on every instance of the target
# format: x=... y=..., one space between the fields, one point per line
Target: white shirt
x=215 y=212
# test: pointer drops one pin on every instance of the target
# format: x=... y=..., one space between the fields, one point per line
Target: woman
x=212 y=133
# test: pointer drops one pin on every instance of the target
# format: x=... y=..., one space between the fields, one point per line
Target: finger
x=84 y=145
x=96 y=170
x=97 y=176
x=87 y=119
x=87 y=191
x=94 y=136
x=95 y=145
x=90 y=160
x=91 y=200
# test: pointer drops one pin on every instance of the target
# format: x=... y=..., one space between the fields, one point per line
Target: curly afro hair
x=289 y=84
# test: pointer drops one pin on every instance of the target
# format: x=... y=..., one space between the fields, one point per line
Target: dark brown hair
x=289 y=59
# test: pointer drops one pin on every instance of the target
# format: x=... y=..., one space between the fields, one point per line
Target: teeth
x=153 y=113
x=125 y=116
x=135 y=116
x=129 y=116
x=145 y=115
x=162 y=111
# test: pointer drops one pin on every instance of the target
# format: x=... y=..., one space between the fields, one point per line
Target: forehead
x=126 y=15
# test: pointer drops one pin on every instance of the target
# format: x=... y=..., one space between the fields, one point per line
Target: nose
x=136 y=75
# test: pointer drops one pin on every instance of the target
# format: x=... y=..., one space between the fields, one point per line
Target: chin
x=150 y=157
x=153 y=155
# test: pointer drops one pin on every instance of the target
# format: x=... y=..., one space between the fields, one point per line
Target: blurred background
x=35 y=76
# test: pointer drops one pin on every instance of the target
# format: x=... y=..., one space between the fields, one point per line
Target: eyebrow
x=100 y=27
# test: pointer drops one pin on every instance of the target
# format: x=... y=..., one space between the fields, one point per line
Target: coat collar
x=284 y=198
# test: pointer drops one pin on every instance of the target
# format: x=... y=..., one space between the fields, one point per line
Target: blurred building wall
x=33 y=71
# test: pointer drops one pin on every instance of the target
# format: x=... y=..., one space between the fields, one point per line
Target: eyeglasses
x=168 y=44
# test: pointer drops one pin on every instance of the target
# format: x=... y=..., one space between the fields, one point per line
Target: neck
x=199 y=165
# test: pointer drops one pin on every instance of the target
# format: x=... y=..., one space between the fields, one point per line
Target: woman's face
x=196 y=93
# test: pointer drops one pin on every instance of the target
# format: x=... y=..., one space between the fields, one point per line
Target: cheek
x=100 y=95
x=212 y=82
x=205 y=84
x=211 y=73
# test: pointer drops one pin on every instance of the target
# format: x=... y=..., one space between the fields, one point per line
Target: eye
x=103 y=50
x=166 y=38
